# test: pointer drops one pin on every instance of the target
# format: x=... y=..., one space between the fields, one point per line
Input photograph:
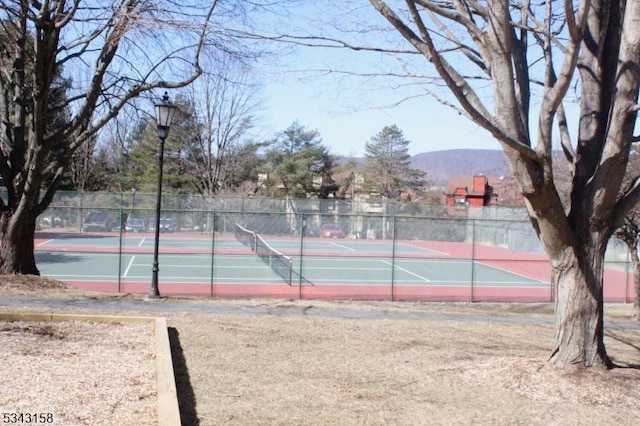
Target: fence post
x=79 y=215
x=473 y=258
x=302 y=229
x=213 y=251
x=626 y=276
x=120 y=217
x=393 y=257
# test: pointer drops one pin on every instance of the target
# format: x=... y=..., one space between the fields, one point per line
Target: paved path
x=167 y=306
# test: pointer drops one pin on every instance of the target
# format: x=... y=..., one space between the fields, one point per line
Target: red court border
x=618 y=286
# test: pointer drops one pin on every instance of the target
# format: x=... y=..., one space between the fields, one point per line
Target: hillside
x=441 y=165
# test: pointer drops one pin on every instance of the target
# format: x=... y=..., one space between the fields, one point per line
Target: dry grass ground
x=439 y=364
x=106 y=372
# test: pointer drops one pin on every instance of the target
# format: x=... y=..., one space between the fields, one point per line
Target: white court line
x=141 y=242
x=346 y=268
x=510 y=272
x=344 y=247
x=406 y=270
x=126 y=272
x=45 y=242
x=425 y=249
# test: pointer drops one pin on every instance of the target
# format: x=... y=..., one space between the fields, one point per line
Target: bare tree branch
x=627 y=202
x=50 y=110
x=463 y=92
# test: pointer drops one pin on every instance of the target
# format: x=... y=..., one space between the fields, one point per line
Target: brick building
x=464 y=192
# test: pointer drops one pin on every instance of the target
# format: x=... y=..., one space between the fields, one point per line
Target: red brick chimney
x=479 y=184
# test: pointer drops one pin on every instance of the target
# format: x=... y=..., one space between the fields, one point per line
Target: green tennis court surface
x=226 y=259
x=199 y=268
x=225 y=265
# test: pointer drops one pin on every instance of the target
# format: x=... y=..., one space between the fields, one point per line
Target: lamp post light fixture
x=165 y=111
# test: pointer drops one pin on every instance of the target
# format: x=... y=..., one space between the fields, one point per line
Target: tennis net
x=278 y=262
x=281 y=264
x=246 y=237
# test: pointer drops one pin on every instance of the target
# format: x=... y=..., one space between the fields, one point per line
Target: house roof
x=463 y=182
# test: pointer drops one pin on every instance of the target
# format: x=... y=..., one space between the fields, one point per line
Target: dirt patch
x=34 y=286
x=304 y=369
x=78 y=373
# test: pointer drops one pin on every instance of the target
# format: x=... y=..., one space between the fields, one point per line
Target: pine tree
x=388 y=168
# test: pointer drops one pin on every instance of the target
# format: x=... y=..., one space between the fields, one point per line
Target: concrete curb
x=168 y=409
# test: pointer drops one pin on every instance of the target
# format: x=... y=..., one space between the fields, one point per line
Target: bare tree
x=521 y=50
x=129 y=48
x=224 y=103
x=112 y=155
x=82 y=164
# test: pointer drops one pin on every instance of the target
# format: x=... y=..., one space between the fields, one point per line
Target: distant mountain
x=441 y=165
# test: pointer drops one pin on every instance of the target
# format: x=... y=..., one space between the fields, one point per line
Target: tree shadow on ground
x=49 y=257
x=622 y=364
x=186 y=397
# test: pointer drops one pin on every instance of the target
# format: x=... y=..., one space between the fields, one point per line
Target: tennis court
x=224 y=266
x=246 y=264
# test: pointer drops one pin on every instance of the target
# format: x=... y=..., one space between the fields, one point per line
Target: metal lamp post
x=165 y=111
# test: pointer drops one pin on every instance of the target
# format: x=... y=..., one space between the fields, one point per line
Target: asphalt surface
x=168 y=306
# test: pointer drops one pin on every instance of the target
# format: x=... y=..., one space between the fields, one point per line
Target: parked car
x=52 y=221
x=167 y=225
x=135 y=224
x=331 y=230
x=100 y=221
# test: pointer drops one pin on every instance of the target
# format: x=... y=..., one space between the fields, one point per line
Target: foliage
x=299 y=164
x=50 y=108
x=242 y=166
x=388 y=168
x=209 y=149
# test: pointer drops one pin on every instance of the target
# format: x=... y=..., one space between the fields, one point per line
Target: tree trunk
x=579 y=339
x=16 y=244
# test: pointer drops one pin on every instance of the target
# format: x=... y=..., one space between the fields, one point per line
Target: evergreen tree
x=300 y=165
x=388 y=168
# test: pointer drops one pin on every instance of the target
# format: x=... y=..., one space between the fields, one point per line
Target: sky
x=346 y=126
x=347 y=110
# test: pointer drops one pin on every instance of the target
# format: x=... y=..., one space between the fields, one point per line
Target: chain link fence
x=337 y=249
